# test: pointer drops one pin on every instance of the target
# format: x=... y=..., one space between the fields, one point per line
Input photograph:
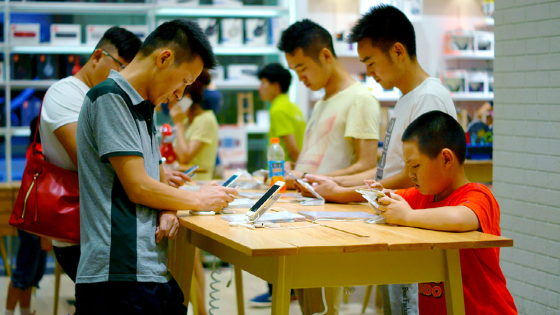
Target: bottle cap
x=275 y=140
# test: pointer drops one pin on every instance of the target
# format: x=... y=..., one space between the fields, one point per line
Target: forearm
x=167 y=197
x=355 y=168
x=355 y=179
x=452 y=219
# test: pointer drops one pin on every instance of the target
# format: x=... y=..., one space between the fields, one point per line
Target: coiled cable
x=214 y=289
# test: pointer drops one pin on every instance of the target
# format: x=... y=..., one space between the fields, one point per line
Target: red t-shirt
x=484 y=284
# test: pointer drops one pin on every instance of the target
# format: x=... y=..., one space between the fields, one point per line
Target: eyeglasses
x=121 y=65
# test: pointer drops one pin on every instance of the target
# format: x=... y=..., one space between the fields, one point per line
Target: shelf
x=221 y=11
x=473 y=97
x=236 y=85
x=50 y=49
x=36 y=84
x=246 y=51
x=83 y=49
x=469 y=55
x=81 y=8
x=16 y=131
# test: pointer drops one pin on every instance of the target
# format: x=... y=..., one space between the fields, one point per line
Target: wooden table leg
x=453 y=287
x=281 y=289
x=181 y=265
x=5 y=257
x=239 y=290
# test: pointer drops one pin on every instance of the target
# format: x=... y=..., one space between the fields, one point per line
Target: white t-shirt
x=61 y=106
x=328 y=143
x=430 y=95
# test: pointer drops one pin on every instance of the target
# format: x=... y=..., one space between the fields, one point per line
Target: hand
x=372 y=184
x=175 y=178
x=213 y=197
x=315 y=178
x=394 y=208
x=168 y=225
x=177 y=115
x=46 y=244
x=289 y=166
x=324 y=186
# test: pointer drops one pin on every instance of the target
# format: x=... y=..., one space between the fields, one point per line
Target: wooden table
x=334 y=255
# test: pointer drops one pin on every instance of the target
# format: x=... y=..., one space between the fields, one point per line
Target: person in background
x=342 y=133
x=31 y=261
x=213 y=98
x=197 y=135
x=61 y=108
x=286 y=120
x=442 y=199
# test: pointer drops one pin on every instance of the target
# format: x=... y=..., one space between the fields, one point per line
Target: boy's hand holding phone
x=175 y=178
x=394 y=208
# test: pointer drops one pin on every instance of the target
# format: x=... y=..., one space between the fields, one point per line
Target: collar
x=127 y=88
x=282 y=98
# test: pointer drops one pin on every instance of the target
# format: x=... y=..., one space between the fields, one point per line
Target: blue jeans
x=31 y=262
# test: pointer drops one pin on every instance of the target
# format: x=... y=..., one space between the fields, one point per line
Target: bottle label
x=276 y=170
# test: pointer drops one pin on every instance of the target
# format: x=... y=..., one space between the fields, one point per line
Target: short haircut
x=196 y=90
x=126 y=43
x=187 y=40
x=274 y=72
x=435 y=131
x=307 y=35
x=385 y=25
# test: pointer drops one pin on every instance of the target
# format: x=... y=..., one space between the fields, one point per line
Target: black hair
x=435 y=131
x=274 y=72
x=126 y=43
x=307 y=35
x=385 y=25
x=187 y=40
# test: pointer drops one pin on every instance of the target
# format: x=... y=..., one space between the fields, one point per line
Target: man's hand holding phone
x=213 y=197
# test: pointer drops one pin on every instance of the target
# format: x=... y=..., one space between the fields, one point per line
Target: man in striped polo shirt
x=123 y=267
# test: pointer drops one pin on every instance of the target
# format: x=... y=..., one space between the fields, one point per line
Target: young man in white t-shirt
x=341 y=135
x=387 y=45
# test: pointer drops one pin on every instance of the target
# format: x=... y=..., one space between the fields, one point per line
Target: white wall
x=527 y=149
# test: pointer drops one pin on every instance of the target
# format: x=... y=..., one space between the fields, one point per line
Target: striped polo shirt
x=117 y=236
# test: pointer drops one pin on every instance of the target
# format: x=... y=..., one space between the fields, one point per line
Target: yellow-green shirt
x=204 y=128
x=286 y=119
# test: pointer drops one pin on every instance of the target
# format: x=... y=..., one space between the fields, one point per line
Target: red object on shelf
x=166 y=148
x=77 y=66
x=468 y=135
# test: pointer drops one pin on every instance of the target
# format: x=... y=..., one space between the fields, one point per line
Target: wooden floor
x=42 y=301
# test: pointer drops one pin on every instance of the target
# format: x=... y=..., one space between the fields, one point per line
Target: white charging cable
x=324 y=303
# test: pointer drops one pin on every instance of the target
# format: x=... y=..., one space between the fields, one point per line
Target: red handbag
x=48 y=201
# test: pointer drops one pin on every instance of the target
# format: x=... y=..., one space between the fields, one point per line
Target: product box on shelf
x=477 y=82
x=94 y=33
x=483 y=41
x=454 y=80
x=228 y=2
x=232 y=32
x=22 y=67
x=141 y=31
x=66 y=34
x=256 y=32
x=242 y=72
x=24 y=33
x=47 y=66
x=218 y=74
x=460 y=40
x=275 y=28
x=211 y=28
x=490 y=82
x=1 y=71
x=71 y=64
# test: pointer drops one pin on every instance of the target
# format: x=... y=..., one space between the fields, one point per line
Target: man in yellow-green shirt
x=286 y=119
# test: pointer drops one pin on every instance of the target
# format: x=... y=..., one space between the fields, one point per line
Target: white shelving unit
x=153 y=12
x=470 y=55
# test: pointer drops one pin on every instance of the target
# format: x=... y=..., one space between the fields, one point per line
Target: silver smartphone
x=232 y=179
x=266 y=201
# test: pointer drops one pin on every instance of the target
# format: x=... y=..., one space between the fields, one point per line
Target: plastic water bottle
x=166 y=148
x=276 y=162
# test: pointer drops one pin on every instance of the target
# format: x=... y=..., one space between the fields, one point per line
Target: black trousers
x=130 y=298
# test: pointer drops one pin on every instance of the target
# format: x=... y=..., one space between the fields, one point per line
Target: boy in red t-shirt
x=434 y=148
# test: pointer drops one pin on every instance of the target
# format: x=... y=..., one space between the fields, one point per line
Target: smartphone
x=294 y=176
x=309 y=188
x=191 y=170
x=232 y=179
x=266 y=201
